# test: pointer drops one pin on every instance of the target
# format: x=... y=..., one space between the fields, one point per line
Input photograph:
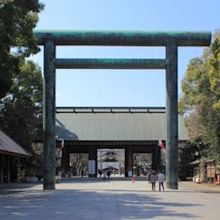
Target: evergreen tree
x=200 y=102
x=21 y=109
x=17 y=20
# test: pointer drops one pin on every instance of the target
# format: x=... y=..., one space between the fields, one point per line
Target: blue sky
x=123 y=87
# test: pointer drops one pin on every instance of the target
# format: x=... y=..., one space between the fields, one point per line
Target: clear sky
x=123 y=87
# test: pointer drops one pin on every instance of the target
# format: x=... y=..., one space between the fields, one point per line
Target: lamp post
x=199 y=156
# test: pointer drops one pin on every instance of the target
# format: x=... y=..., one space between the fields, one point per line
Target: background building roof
x=10 y=147
x=114 y=123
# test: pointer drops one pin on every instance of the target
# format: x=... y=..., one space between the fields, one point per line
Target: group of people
x=105 y=173
x=154 y=177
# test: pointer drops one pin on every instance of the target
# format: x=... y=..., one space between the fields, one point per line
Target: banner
x=91 y=167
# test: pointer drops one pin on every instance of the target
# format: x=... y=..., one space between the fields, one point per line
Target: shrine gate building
x=136 y=130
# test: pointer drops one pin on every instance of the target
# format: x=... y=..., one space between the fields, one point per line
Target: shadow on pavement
x=81 y=204
x=11 y=188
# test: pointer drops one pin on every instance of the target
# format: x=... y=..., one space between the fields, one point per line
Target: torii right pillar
x=172 y=116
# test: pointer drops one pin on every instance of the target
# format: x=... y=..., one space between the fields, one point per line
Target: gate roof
x=114 y=123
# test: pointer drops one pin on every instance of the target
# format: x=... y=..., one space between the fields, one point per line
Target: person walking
x=108 y=174
x=100 y=172
x=82 y=173
x=153 y=179
x=133 y=178
x=160 y=179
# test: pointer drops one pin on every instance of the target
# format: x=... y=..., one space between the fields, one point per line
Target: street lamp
x=198 y=153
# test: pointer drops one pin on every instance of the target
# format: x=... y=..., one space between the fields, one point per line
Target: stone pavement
x=93 y=199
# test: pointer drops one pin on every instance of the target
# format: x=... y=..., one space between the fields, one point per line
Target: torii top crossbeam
x=124 y=38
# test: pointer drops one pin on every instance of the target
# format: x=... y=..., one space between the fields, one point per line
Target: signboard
x=91 y=167
x=211 y=170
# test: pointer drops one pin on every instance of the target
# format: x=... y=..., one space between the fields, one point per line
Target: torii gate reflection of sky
x=170 y=40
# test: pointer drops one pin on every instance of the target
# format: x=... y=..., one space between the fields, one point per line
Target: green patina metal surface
x=123 y=38
x=172 y=117
x=111 y=63
x=49 y=116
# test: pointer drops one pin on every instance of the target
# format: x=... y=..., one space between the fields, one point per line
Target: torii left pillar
x=49 y=115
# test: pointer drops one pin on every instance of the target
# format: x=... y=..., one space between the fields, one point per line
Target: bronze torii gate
x=170 y=40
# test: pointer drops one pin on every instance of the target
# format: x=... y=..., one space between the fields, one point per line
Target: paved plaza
x=94 y=199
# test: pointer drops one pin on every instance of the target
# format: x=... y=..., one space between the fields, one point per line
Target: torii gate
x=170 y=40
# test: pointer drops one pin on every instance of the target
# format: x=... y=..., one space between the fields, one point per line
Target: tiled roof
x=8 y=146
x=115 y=123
